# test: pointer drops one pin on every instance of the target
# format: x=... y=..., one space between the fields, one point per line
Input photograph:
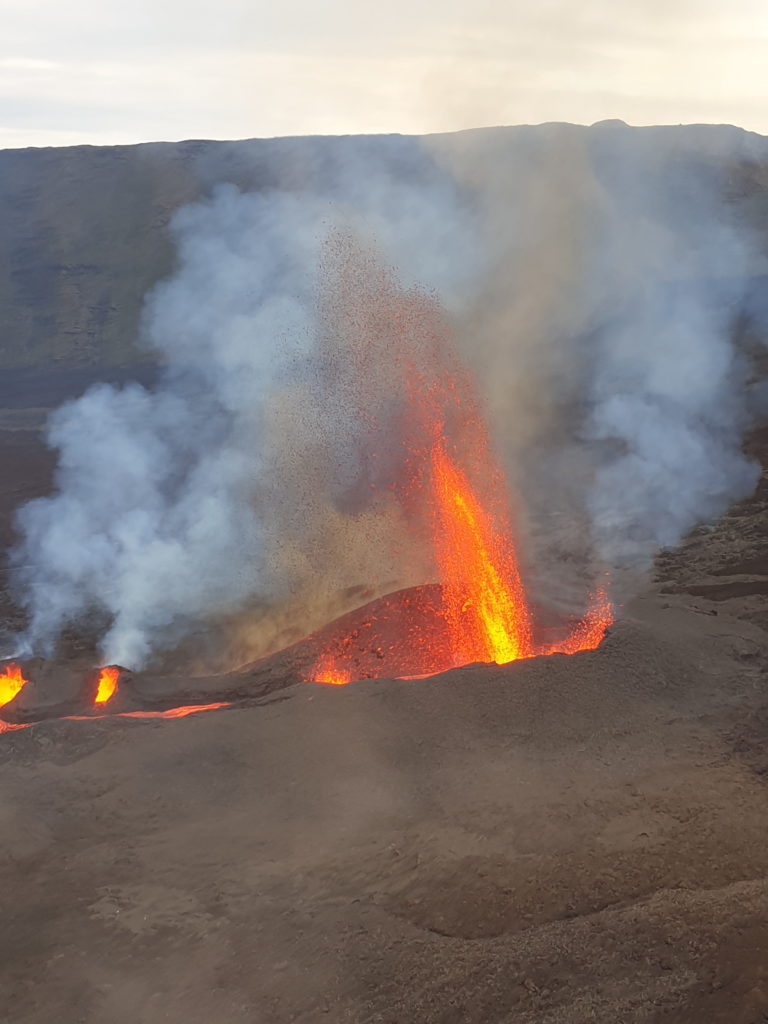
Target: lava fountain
x=483 y=598
x=107 y=684
x=452 y=490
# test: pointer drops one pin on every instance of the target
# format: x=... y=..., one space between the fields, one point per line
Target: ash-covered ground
x=568 y=839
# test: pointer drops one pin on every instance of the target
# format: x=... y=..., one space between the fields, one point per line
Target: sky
x=107 y=72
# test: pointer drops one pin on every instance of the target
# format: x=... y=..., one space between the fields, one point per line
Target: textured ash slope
x=728 y=560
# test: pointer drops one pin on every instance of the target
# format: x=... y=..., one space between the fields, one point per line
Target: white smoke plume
x=159 y=515
x=605 y=334
x=668 y=385
x=595 y=306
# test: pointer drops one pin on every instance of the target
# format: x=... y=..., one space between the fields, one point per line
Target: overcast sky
x=101 y=71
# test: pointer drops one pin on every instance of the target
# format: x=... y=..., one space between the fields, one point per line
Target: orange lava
x=182 y=712
x=484 y=601
x=107 y=684
x=12 y=726
x=590 y=631
x=326 y=672
x=12 y=682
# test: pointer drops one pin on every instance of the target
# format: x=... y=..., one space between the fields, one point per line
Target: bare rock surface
x=562 y=840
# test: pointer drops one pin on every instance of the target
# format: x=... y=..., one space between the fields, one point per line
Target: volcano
x=406 y=634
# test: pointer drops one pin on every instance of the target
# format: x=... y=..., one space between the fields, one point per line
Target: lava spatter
x=12 y=682
x=107 y=684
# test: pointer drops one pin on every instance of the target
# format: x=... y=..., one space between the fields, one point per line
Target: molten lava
x=12 y=726
x=107 y=684
x=12 y=682
x=325 y=671
x=181 y=712
x=484 y=601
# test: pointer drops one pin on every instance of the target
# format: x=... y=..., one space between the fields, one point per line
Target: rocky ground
x=562 y=840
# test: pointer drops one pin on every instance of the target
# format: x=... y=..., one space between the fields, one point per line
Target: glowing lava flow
x=107 y=684
x=12 y=682
x=12 y=726
x=181 y=712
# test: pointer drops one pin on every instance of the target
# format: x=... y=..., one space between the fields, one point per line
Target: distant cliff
x=84 y=229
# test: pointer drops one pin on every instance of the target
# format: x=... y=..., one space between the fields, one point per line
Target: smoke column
x=166 y=500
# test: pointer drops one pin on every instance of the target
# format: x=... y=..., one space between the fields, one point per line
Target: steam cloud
x=596 y=311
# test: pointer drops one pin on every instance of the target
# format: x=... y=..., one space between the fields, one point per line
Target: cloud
x=107 y=72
